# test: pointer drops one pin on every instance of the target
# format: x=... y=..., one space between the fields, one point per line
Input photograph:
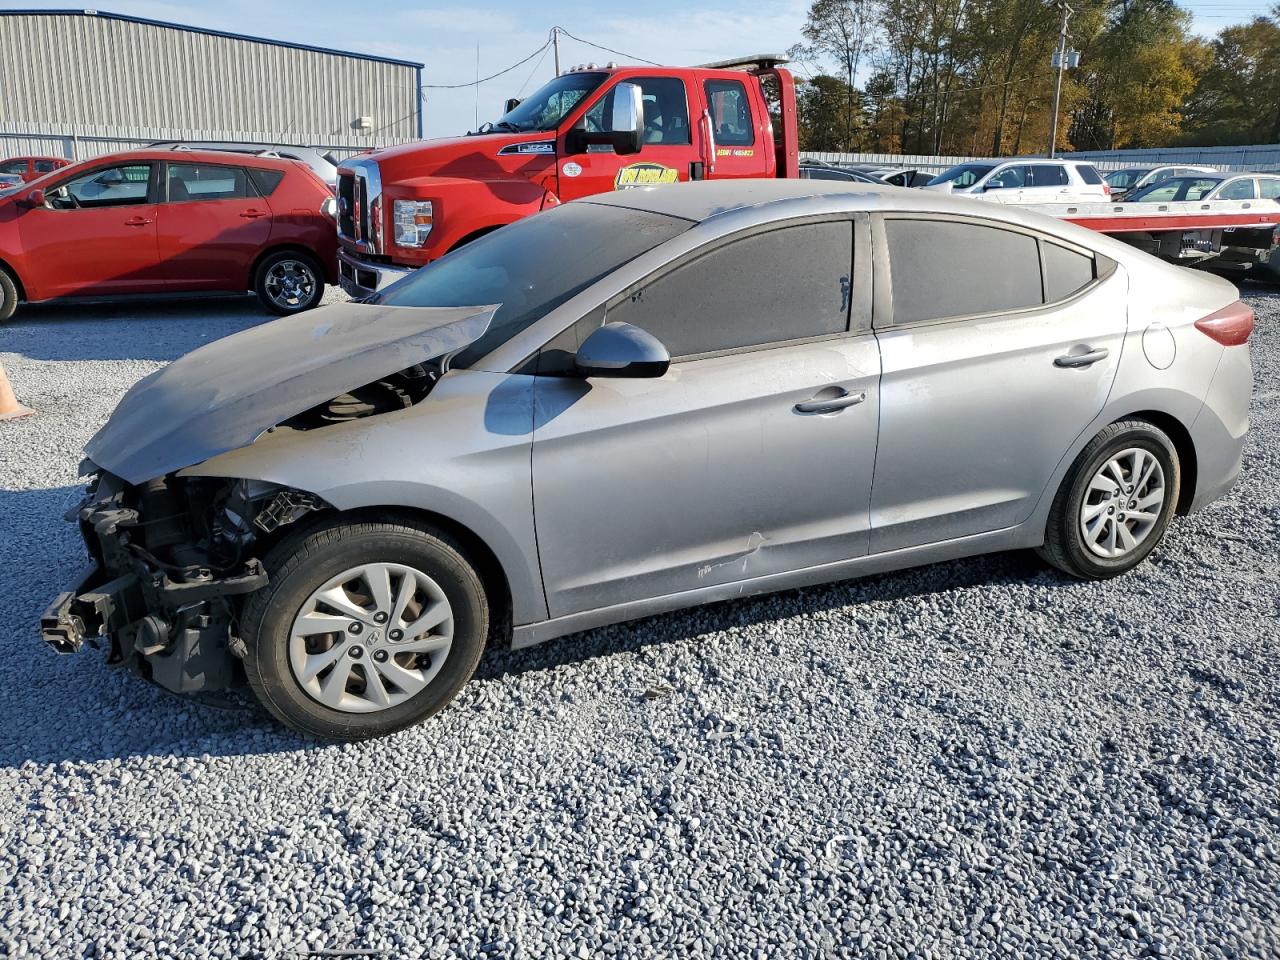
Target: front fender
x=462 y=453
x=462 y=207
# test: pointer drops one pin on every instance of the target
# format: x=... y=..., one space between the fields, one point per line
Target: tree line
x=974 y=77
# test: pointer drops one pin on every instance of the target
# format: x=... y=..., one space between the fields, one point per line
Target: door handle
x=252 y=214
x=1082 y=359
x=830 y=404
x=136 y=222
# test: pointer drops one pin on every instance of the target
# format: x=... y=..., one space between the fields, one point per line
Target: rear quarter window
x=1065 y=271
x=1088 y=174
x=265 y=181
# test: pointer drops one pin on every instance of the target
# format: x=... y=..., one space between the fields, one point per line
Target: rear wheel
x=8 y=295
x=1116 y=502
x=364 y=628
x=289 y=282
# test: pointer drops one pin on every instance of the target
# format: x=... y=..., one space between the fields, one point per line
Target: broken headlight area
x=172 y=560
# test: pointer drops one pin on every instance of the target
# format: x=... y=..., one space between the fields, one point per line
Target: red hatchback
x=28 y=168
x=165 y=221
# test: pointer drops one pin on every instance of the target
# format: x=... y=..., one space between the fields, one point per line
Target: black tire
x=297 y=266
x=1064 y=546
x=301 y=564
x=8 y=295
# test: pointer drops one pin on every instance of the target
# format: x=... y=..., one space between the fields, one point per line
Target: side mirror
x=994 y=185
x=512 y=103
x=34 y=199
x=621 y=350
x=626 y=124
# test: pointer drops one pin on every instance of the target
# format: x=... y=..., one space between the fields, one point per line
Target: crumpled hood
x=224 y=395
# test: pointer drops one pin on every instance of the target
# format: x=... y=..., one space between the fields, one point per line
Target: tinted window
x=822 y=173
x=13 y=166
x=1175 y=189
x=786 y=284
x=532 y=266
x=1239 y=190
x=110 y=187
x=265 y=180
x=202 y=181
x=947 y=269
x=44 y=166
x=1087 y=173
x=1046 y=176
x=1270 y=189
x=1065 y=271
x=730 y=113
x=666 y=111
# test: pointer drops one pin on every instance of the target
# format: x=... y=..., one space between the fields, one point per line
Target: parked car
x=816 y=170
x=1024 y=181
x=324 y=165
x=152 y=221
x=28 y=168
x=1129 y=179
x=637 y=402
x=1222 y=186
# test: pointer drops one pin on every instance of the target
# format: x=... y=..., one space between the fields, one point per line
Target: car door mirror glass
x=621 y=350
x=994 y=185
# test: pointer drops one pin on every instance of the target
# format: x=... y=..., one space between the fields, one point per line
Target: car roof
x=759 y=200
x=188 y=156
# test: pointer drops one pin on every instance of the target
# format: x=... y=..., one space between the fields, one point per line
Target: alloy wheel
x=1123 y=503
x=290 y=284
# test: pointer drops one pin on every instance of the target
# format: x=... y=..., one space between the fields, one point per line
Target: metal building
x=78 y=83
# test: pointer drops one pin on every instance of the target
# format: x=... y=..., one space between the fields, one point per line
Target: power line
x=492 y=76
x=617 y=53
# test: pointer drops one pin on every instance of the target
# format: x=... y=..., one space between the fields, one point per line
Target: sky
x=445 y=36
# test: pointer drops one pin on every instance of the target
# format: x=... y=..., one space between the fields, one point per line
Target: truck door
x=738 y=127
x=664 y=158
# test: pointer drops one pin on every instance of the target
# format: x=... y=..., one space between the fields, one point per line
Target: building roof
x=102 y=14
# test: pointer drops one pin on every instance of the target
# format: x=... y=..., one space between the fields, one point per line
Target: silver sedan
x=641 y=402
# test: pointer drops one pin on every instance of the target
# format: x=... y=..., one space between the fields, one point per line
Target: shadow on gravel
x=987 y=570
x=154 y=329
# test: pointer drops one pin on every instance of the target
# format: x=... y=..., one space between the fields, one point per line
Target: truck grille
x=360 y=205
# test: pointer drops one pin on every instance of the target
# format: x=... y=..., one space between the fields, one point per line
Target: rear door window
x=206 y=181
x=787 y=284
x=730 y=113
x=44 y=166
x=1047 y=175
x=945 y=268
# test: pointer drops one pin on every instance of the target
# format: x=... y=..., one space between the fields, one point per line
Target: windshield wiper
x=507 y=125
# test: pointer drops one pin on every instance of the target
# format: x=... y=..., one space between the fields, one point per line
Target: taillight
x=1230 y=326
x=1106 y=190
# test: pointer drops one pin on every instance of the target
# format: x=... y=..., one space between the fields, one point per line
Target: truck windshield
x=964 y=175
x=532 y=266
x=546 y=107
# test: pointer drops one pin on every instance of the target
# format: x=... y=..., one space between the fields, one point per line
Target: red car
x=28 y=168
x=164 y=221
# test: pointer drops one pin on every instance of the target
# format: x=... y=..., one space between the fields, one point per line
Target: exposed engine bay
x=172 y=560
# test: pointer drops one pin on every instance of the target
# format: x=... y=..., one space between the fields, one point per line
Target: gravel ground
x=974 y=759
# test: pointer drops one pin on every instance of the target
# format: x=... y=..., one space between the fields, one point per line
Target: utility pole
x=555 y=43
x=1057 y=87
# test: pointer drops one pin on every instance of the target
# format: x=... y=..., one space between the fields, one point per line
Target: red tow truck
x=595 y=129
x=589 y=130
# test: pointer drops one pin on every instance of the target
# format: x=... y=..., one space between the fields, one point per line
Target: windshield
x=532 y=266
x=545 y=108
x=963 y=175
x=1175 y=189
x=1124 y=179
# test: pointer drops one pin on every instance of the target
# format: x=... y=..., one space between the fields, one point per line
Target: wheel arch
x=1182 y=444
x=13 y=274
x=476 y=235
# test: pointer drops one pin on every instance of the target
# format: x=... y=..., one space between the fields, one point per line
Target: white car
x=1132 y=179
x=1210 y=186
x=1024 y=181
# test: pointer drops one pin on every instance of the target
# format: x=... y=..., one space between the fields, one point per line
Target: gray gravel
x=975 y=759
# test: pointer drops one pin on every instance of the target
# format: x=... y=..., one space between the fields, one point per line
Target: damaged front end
x=173 y=560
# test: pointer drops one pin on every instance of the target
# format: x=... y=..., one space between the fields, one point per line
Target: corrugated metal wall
x=117 y=81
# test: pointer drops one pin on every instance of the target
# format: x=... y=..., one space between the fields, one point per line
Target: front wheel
x=1115 y=503
x=289 y=282
x=364 y=628
x=8 y=296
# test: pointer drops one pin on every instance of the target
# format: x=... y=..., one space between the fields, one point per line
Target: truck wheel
x=8 y=295
x=364 y=628
x=1115 y=502
x=289 y=282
